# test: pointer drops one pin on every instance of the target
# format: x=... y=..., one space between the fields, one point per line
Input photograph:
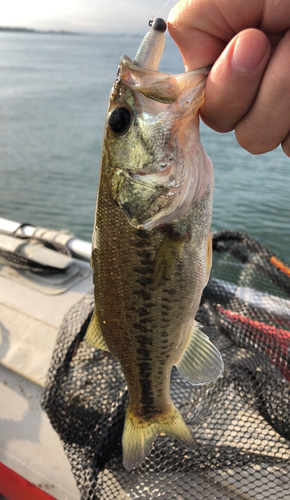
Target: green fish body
x=152 y=248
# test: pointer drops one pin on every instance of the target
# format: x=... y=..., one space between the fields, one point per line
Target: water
x=53 y=97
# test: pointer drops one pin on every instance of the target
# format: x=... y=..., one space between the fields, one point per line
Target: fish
x=151 y=245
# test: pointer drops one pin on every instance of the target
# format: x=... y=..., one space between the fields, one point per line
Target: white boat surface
x=30 y=316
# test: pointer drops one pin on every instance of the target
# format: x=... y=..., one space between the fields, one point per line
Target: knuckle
x=280 y=83
x=254 y=139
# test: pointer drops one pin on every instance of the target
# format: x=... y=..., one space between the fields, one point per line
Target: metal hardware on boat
x=46 y=260
x=79 y=249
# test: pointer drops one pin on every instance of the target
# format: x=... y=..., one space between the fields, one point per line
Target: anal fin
x=201 y=362
x=94 y=336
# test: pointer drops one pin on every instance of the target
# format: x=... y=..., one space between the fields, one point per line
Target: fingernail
x=248 y=53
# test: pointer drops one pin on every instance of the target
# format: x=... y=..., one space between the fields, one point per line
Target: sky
x=95 y=16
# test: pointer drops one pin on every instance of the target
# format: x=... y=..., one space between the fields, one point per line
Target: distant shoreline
x=9 y=29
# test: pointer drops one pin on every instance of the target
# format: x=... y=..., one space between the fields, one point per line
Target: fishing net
x=241 y=422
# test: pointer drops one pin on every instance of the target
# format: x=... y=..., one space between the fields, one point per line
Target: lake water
x=53 y=97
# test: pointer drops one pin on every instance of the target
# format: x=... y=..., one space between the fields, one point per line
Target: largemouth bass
x=151 y=252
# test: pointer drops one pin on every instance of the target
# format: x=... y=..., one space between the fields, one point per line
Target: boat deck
x=28 y=327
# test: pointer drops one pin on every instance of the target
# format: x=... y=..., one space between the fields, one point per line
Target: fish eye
x=119 y=120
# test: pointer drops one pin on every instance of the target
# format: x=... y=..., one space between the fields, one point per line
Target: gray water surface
x=53 y=97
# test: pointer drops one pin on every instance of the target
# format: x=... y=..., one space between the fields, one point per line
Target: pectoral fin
x=167 y=257
x=201 y=362
x=94 y=336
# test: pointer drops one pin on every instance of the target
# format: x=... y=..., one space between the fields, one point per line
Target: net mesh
x=241 y=422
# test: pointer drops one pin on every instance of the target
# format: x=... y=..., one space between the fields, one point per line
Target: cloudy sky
x=95 y=16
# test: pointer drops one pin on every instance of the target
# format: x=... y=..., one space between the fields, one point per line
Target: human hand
x=248 y=88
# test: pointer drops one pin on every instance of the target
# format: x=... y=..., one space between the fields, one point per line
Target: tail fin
x=139 y=435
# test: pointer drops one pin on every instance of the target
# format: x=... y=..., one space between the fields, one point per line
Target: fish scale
x=151 y=246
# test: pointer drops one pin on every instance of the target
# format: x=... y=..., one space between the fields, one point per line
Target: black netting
x=18 y=261
x=241 y=422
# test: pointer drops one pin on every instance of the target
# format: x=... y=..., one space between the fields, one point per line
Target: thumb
x=234 y=80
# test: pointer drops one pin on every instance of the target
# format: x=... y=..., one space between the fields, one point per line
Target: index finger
x=203 y=28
